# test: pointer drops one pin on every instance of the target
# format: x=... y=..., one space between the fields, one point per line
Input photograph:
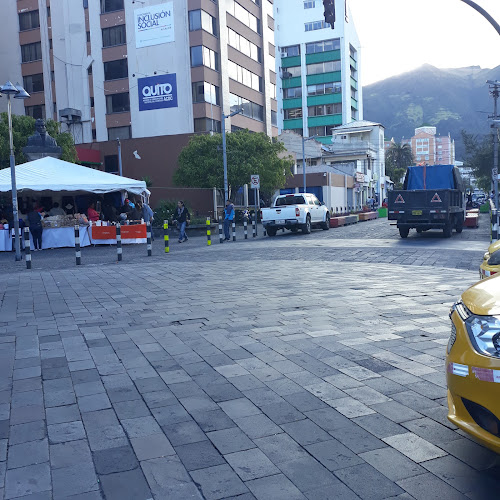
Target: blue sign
x=157 y=92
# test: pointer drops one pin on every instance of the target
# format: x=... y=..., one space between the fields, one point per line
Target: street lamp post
x=224 y=155
x=19 y=93
x=120 y=168
x=304 y=139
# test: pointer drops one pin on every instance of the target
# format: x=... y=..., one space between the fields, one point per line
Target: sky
x=400 y=35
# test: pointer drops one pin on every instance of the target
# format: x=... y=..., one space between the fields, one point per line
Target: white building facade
x=318 y=68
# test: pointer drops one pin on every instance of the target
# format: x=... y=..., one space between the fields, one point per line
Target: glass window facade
x=116 y=35
x=117 y=103
x=323 y=67
x=290 y=114
x=324 y=88
x=292 y=92
x=114 y=70
x=111 y=5
x=293 y=50
x=321 y=131
x=29 y=20
x=33 y=83
x=243 y=45
x=206 y=92
x=206 y=125
x=240 y=13
x=201 y=20
x=244 y=76
x=325 y=109
x=290 y=72
x=316 y=25
x=203 y=56
x=119 y=133
x=323 y=46
x=250 y=109
x=31 y=52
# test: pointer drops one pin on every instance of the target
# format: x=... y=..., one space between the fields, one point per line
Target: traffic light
x=329 y=6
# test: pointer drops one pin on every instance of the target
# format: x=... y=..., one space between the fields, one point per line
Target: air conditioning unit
x=284 y=54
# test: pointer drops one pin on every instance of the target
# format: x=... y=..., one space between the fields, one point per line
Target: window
x=50 y=44
x=240 y=13
x=243 y=45
x=325 y=109
x=290 y=200
x=92 y=102
x=354 y=73
x=33 y=83
x=48 y=11
x=323 y=46
x=205 y=92
x=85 y=4
x=88 y=36
x=206 y=125
x=119 y=133
x=201 y=20
x=316 y=25
x=309 y=5
x=203 y=56
x=111 y=5
x=352 y=51
x=114 y=70
x=354 y=114
x=250 y=109
x=323 y=67
x=354 y=93
x=324 y=88
x=115 y=35
x=244 y=76
x=291 y=72
x=117 y=103
x=94 y=134
x=290 y=114
x=31 y=52
x=292 y=92
x=321 y=131
x=273 y=90
x=111 y=164
x=293 y=50
x=29 y=20
x=36 y=112
x=274 y=118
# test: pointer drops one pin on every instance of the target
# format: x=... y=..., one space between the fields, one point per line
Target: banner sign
x=157 y=92
x=154 y=25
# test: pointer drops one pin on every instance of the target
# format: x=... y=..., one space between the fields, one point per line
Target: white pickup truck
x=294 y=212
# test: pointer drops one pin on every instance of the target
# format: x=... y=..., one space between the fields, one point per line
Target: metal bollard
x=209 y=233
x=245 y=228
x=165 y=236
x=119 y=242
x=220 y=230
x=264 y=233
x=148 y=235
x=234 y=230
x=27 y=247
x=78 y=251
x=254 y=234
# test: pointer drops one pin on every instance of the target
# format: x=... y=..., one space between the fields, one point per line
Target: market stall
x=74 y=188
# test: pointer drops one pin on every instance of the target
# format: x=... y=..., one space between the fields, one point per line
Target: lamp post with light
x=19 y=93
x=224 y=154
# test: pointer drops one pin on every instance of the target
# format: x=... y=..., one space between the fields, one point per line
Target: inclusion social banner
x=154 y=25
x=157 y=92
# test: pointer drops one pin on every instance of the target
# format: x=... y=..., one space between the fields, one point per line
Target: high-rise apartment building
x=142 y=69
x=318 y=84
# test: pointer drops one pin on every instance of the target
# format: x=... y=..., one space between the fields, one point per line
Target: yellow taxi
x=473 y=363
x=491 y=261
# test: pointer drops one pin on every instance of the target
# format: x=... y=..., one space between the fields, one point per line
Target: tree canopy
x=397 y=159
x=22 y=128
x=479 y=157
x=201 y=162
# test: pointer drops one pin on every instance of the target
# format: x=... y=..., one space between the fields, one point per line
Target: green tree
x=479 y=157
x=22 y=128
x=201 y=162
x=397 y=159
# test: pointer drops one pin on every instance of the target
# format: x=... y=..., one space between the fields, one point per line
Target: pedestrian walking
x=183 y=218
x=228 y=218
x=36 y=228
x=147 y=215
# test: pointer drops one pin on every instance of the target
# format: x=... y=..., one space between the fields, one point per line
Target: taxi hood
x=483 y=298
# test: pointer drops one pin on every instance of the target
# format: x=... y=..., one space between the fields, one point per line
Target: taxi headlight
x=484 y=332
x=494 y=259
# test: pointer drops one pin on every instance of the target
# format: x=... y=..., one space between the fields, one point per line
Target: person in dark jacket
x=182 y=217
x=36 y=228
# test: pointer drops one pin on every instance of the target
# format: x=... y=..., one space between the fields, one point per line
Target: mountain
x=452 y=100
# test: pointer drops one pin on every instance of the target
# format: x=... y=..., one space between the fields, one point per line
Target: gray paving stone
x=427 y=486
x=238 y=408
x=172 y=414
x=282 y=413
x=115 y=460
x=333 y=455
x=32 y=431
x=153 y=446
x=3 y=450
x=68 y=431
x=230 y=440
x=306 y=432
x=152 y=384
x=414 y=447
x=379 y=425
x=131 y=409
x=128 y=485
x=27 y=480
x=251 y=464
x=395 y=411
x=74 y=480
x=94 y=402
x=69 y=453
x=62 y=414
x=30 y=453
x=277 y=487
x=25 y=414
x=219 y=482
x=212 y=420
x=431 y=431
x=257 y=426
x=184 y=433
x=199 y=455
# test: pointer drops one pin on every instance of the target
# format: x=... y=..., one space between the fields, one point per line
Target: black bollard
x=78 y=251
x=119 y=242
x=27 y=247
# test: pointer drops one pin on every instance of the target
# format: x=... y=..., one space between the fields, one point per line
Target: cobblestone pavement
x=299 y=377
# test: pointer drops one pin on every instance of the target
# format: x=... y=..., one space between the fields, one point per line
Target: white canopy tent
x=51 y=174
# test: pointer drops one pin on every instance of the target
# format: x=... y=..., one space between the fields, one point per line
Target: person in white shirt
x=56 y=210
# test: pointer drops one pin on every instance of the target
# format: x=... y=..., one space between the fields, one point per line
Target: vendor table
x=106 y=235
x=5 y=241
x=60 y=237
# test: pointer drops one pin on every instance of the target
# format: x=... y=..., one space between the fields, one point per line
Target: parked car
x=491 y=261
x=294 y=212
x=473 y=363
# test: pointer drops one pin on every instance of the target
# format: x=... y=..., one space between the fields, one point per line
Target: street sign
x=255 y=181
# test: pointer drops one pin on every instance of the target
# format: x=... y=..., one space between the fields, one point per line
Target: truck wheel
x=447 y=230
x=460 y=224
x=306 y=228
x=403 y=232
x=326 y=224
x=271 y=231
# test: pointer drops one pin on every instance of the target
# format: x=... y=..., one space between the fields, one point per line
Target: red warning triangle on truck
x=399 y=199
x=436 y=199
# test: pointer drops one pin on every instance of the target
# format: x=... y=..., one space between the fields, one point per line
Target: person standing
x=228 y=218
x=147 y=215
x=36 y=228
x=182 y=217
x=92 y=213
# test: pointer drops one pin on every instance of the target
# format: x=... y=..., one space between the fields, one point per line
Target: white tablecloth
x=60 y=237
x=5 y=241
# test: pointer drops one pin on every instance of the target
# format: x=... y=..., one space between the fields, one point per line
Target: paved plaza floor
x=289 y=368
